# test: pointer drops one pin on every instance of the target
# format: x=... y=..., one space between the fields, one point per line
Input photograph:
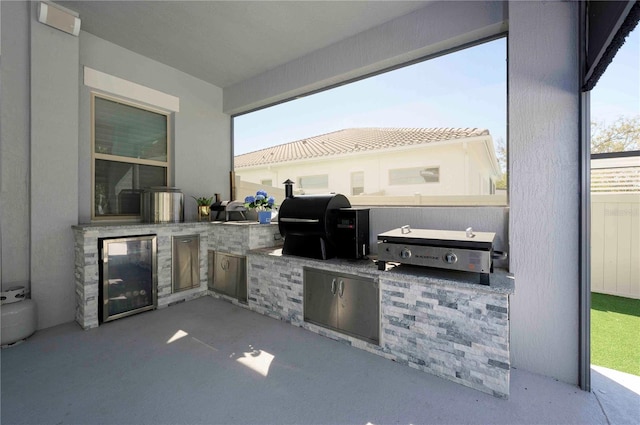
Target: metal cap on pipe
x=288 y=188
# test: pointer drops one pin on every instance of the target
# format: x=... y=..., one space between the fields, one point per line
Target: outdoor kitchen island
x=440 y=322
x=233 y=236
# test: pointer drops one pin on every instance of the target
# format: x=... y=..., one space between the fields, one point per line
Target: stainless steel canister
x=162 y=204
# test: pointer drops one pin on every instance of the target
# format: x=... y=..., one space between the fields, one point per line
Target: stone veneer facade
x=454 y=329
x=234 y=237
x=87 y=263
x=238 y=237
x=456 y=333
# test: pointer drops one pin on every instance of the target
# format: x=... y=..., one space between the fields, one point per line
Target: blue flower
x=260 y=202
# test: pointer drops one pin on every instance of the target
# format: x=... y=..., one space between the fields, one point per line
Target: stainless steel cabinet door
x=359 y=308
x=320 y=306
x=185 y=262
x=225 y=274
x=230 y=275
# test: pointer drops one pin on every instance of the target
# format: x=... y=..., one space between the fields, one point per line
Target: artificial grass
x=615 y=333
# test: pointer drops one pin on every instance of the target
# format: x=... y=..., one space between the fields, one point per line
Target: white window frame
x=116 y=158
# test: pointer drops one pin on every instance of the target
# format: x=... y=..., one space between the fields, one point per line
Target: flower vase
x=264 y=217
x=203 y=212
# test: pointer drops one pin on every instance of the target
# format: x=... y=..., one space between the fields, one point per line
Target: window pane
x=357 y=183
x=414 y=175
x=128 y=131
x=313 y=182
x=119 y=185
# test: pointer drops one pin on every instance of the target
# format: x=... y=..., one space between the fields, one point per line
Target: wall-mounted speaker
x=58 y=18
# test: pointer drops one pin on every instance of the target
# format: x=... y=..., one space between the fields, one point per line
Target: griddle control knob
x=405 y=254
x=450 y=258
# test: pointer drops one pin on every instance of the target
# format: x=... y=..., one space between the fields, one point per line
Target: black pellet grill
x=323 y=227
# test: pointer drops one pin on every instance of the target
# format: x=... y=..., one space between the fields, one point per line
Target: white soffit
x=225 y=42
x=120 y=87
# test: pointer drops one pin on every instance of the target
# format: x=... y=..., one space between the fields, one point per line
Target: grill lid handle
x=299 y=220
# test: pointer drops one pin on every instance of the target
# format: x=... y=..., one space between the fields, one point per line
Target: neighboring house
x=380 y=161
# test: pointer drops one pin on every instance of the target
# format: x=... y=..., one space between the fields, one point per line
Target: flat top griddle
x=443 y=238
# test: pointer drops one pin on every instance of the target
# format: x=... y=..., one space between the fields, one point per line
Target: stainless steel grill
x=467 y=251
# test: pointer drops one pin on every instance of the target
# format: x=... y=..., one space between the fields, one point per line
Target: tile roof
x=353 y=140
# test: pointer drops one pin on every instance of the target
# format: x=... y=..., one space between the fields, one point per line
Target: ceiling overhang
x=226 y=42
x=607 y=24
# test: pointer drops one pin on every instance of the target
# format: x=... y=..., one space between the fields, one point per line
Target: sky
x=463 y=89
x=617 y=93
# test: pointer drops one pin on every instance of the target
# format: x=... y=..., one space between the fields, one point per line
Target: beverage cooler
x=128 y=277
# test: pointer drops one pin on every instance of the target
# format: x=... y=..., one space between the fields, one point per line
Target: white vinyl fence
x=615 y=228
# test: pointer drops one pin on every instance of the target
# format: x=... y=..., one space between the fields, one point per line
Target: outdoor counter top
x=190 y=224
x=501 y=282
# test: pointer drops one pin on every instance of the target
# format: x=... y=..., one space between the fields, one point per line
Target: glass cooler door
x=128 y=276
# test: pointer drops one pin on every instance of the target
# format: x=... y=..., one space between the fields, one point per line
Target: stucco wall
x=201 y=132
x=54 y=170
x=14 y=144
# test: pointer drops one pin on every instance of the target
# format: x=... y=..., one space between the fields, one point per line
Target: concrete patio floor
x=209 y=362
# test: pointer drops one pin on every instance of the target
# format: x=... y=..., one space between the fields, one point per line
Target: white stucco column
x=544 y=186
